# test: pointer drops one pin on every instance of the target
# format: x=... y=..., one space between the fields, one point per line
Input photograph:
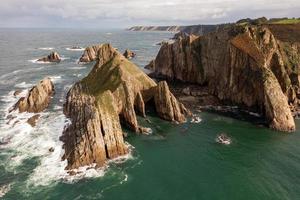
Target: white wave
x=80 y=67
x=64 y=58
x=57 y=107
x=23 y=85
x=77 y=49
x=38 y=62
x=4 y=189
x=55 y=79
x=46 y=48
x=77 y=75
x=10 y=74
x=28 y=142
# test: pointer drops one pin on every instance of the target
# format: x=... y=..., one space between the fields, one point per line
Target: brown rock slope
x=112 y=92
x=246 y=65
x=90 y=53
x=38 y=97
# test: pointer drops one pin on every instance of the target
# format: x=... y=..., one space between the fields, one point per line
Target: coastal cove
x=177 y=161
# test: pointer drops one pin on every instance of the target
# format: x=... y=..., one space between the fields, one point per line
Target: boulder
x=110 y=95
x=37 y=99
x=53 y=57
x=32 y=120
x=128 y=54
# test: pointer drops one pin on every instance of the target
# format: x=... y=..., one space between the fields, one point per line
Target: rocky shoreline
x=243 y=65
x=113 y=92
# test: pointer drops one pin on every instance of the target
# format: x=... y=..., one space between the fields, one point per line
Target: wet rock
x=32 y=120
x=110 y=95
x=186 y=91
x=53 y=57
x=128 y=54
x=17 y=92
x=37 y=99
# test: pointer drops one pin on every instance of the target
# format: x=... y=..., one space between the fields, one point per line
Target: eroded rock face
x=245 y=65
x=90 y=53
x=113 y=92
x=128 y=54
x=37 y=99
x=53 y=57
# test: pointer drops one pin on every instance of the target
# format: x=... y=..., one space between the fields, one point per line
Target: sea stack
x=253 y=66
x=113 y=92
x=37 y=99
x=52 y=57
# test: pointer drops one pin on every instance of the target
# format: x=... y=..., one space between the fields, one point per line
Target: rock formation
x=53 y=57
x=113 y=92
x=37 y=99
x=90 y=54
x=128 y=54
x=246 y=65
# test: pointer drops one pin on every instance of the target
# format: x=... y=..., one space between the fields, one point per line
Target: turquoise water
x=176 y=162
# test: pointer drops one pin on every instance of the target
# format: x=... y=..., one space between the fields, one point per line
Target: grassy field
x=287 y=21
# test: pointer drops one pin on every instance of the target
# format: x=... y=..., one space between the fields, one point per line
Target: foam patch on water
x=77 y=49
x=4 y=189
x=55 y=79
x=24 y=85
x=35 y=61
x=46 y=48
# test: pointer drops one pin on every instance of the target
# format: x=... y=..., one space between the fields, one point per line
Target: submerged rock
x=37 y=99
x=53 y=57
x=109 y=95
x=245 y=65
x=17 y=92
x=128 y=54
x=32 y=120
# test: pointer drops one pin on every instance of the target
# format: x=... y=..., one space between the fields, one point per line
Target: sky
x=126 y=13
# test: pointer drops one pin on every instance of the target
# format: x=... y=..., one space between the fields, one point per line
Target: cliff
x=193 y=29
x=246 y=65
x=110 y=95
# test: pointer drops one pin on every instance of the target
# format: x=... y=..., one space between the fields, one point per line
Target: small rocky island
x=254 y=66
x=52 y=57
x=112 y=93
x=37 y=100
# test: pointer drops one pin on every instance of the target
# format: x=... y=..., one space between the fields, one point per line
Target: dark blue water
x=176 y=162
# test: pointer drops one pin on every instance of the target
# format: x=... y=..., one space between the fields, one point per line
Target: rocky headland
x=254 y=66
x=112 y=94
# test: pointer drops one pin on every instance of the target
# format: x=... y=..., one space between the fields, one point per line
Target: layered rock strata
x=246 y=65
x=37 y=99
x=113 y=92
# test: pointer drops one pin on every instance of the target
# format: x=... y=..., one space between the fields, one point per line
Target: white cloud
x=144 y=11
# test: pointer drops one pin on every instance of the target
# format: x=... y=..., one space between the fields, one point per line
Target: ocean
x=175 y=162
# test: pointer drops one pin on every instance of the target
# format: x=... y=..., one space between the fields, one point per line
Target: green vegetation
x=286 y=21
x=264 y=20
